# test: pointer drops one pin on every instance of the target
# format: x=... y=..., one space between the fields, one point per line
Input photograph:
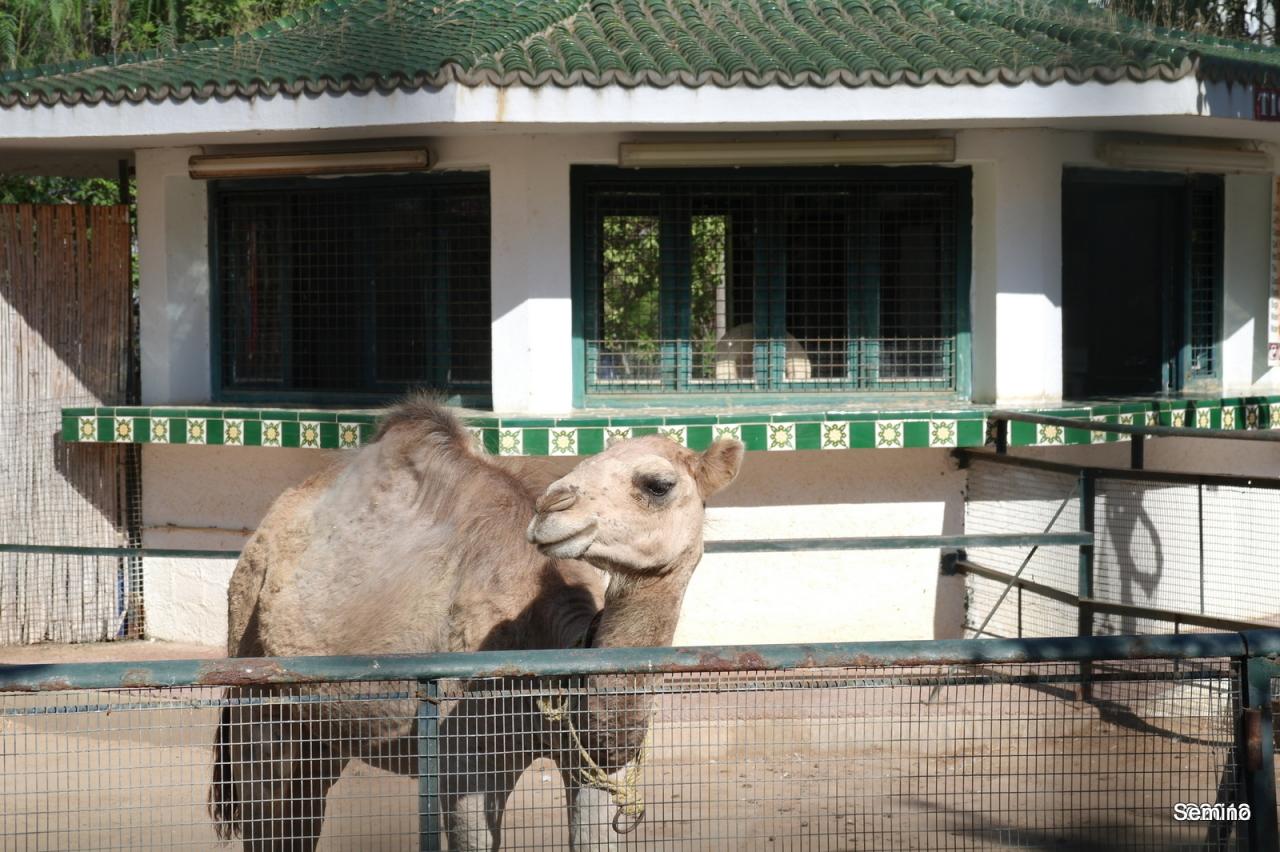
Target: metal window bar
x=349 y=288
x=801 y=747
x=750 y=284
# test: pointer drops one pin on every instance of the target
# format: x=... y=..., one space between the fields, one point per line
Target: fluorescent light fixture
x=1171 y=156
x=210 y=166
x=781 y=153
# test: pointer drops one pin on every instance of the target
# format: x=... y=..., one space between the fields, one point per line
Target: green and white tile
x=1050 y=436
x=1204 y=418
x=87 y=429
x=943 y=433
x=1178 y=418
x=1252 y=417
x=890 y=434
x=309 y=435
x=562 y=442
x=679 y=434
x=1228 y=417
x=1151 y=418
x=1098 y=437
x=616 y=433
x=159 y=430
x=272 y=433
x=349 y=436
x=726 y=431
x=198 y=430
x=233 y=433
x=510 y=442
x=780 y=436
x=835 y=435
x=122 y=431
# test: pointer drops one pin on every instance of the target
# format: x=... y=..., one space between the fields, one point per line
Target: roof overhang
x=1186 y=105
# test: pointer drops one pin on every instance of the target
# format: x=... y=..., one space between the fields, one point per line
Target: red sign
x=1266 y=104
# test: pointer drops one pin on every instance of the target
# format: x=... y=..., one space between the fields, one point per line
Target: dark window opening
x=333 y=289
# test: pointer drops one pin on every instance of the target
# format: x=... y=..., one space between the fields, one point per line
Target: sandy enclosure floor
x=838 y=760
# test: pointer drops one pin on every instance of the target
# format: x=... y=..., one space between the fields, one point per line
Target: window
x=758 y=280
x=332 y=289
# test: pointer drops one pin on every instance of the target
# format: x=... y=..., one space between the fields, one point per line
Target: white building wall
x=1246 y=286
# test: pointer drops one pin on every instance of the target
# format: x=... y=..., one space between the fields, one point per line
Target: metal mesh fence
x=60 y=493
x=998 y=756
x=1003 y=499
x=355 y=287
x=750 y=282
x=1206 y=549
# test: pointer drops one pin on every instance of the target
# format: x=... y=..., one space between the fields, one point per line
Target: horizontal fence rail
x=881 y=745
x=1139 y=430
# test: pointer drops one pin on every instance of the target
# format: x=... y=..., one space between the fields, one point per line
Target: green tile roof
x=364 y=45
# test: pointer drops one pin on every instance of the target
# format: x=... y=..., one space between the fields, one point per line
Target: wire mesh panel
x=1003 y=499
x=355 y=287
x=750 y=280
x=1187 y=547
x=977 y=757
x=1205 y=276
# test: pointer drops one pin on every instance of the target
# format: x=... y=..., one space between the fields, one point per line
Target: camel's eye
x=656 y=487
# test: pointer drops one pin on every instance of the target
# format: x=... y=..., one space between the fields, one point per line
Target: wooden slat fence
x=65 y=338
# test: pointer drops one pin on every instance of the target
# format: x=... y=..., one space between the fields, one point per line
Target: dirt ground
x=108 y=652
x=828 y=762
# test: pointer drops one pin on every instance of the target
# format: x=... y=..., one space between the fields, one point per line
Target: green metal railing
x=1254 y=657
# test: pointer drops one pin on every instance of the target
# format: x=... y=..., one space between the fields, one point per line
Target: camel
x=420 y=543
x=735 y=356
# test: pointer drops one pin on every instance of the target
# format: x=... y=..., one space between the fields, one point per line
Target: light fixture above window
x=1183 y=157
x=830 y=152
x=211 y=166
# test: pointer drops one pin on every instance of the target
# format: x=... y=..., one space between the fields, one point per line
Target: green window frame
x=732 y=283
x=350 y=290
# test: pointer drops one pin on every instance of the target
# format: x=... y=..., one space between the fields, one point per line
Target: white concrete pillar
x=173 y=278
x=530 y=266
x=1017 y=265
x=1246 y=285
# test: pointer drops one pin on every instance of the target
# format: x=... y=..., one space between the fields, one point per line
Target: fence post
x=1084 y=580
x=1255 y=751
x=428 y=766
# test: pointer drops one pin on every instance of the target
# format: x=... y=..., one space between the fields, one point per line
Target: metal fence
x=967 y=744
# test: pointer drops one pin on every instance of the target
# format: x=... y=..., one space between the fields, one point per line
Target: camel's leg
x=591 y=814
x=473 y=807
x=272 y=777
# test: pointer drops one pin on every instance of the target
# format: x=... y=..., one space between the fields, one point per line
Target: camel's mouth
x=570 y=546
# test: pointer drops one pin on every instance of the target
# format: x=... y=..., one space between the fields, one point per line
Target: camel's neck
x=642 y=611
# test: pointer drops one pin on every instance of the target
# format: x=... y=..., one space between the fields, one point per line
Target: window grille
x=747 y=281
x=354 y=287
x=1204 y=275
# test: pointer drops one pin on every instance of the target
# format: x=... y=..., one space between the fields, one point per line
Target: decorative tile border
x=590 y=432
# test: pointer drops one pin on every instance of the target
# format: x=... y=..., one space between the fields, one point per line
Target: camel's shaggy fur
x=419 y=543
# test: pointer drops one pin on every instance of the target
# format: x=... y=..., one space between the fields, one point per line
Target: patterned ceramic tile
x=510 y=442
x=1274 y=419
x=562 y=442
x=1178 y=418
x=780 y=436
x=616 y=433
x=943 y=433
x=123 y=430
x=309 y=435
x=835 y=435
x=990 y=432
x=723 y=431
x=87 y=429
x=1228 y=417
x=889 y=434
x=197 y=430
x=477 y=438
x=233 y=433
x=159 y=430
x=1151 y=418
x=1047 y=436
x=1204 y=418
x=271 y=433
x=679 y=434
x=1098 y=437
x=348 y=436
x=1252 y=416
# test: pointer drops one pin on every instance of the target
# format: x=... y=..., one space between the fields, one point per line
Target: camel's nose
x=556 y=501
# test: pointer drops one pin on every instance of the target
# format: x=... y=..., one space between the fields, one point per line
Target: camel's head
x=636 y=508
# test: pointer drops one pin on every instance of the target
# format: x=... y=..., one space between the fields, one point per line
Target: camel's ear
x=718 y=466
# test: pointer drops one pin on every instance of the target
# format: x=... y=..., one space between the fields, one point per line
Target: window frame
x=472 y=395
x=961 y=177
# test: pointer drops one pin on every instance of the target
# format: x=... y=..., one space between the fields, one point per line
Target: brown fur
x=418 y=543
